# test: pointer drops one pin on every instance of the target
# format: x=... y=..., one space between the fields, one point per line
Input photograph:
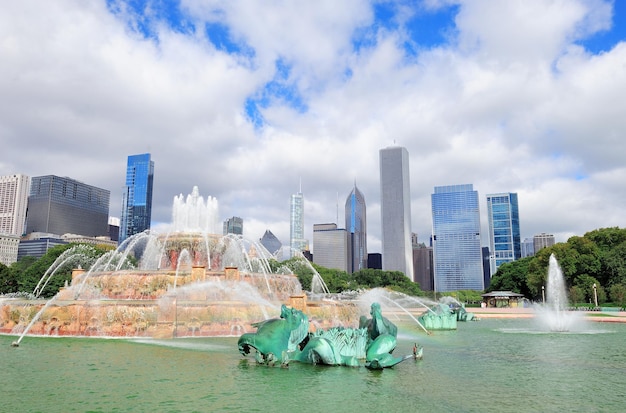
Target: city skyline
x=517 y=97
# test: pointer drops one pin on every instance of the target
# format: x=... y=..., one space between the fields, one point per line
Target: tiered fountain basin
x=189 y=281
x=134 y=303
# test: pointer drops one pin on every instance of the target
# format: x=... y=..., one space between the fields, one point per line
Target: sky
x=253 y=101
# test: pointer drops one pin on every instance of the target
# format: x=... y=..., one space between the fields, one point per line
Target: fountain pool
x=495 y=364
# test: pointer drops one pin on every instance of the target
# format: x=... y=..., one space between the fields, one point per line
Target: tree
x=576 y=294
x=300 y=267
x=607 y=238
x=611 y=243
x=615 y=264
x=32 y=274
x=512 y=276
x=617 y=293
x=538 y=272
x=8 y=283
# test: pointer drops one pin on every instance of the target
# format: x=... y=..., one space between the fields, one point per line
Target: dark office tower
x=456 y=239
x=233 y=225
x=395 y=208
x=357 y=231
x=65 y=206
x=137 y=197
x=423 y=265
x=486 y=267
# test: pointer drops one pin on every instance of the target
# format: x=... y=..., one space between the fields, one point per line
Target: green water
x=490 y=365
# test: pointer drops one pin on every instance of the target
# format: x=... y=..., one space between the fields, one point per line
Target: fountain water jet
x=392 y=301
x=553 y=315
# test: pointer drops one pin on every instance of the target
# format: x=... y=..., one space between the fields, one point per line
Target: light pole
x=543 y=294
x=595 y=294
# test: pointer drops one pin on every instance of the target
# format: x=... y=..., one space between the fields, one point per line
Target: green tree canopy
x=512 y=277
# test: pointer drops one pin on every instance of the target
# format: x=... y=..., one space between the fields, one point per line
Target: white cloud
x=512 y=105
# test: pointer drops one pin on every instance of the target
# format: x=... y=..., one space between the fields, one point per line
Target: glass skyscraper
x=271 y=243
x=395 y=209
x=137 y=197
x=60 y=205
x=456 y=239
x=504 y=233
x=233 y=225
x=296 y=224
x=356 y=226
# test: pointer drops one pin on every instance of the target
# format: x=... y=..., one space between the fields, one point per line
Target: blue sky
x=249 y=99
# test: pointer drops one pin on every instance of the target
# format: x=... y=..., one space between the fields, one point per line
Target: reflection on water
x=497 y=365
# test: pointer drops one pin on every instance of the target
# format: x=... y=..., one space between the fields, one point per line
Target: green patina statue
x=277 y=337
x=287 y=338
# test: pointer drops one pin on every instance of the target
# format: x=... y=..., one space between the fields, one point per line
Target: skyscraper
x=63 y=205
x=423 y=264
x=528 y=247
x=137 y=197
x=395 y=206
x=296 y=223
x=271 y=243
x=233 y=225
x=14 y=190
x=542 y=240
x=456 y=239
x=504 y=232
x=356 y=225
x=330 y=246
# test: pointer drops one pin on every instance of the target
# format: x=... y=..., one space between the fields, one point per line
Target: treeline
x=598 y=257
x=338 y=281
x=23 y=275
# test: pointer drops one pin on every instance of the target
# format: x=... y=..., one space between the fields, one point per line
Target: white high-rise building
x=330 y=246
x=395 y=206
x=14 y=191
x=542 y=240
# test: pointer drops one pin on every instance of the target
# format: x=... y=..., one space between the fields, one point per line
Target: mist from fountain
x=392 y=301
x=553 y=314
x=218 y=291
x=77 y=256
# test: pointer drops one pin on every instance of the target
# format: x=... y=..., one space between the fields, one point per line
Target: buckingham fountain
x=186 y=282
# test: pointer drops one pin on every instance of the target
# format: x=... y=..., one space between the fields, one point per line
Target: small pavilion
x=502 y=299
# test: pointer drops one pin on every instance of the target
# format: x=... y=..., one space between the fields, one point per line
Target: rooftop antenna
x=337 y=208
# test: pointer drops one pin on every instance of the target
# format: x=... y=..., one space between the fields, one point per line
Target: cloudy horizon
x=251 y=101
